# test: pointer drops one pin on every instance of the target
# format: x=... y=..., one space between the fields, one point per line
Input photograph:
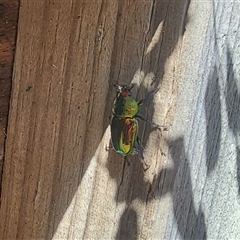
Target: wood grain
x=8 y=29
x=60 y=182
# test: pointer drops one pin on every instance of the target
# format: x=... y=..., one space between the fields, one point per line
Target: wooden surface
x=8 y=30
x=60 y=182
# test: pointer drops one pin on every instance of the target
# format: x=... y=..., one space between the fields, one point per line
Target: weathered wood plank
x=8 y=29
x=204 y=142
x=59 y=181
x=59 y=65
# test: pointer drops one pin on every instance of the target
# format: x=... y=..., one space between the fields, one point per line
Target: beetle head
x=124 y=90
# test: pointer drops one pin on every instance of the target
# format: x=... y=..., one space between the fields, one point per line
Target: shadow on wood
x=8 y=29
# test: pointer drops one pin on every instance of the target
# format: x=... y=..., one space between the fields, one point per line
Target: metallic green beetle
x=124 y=125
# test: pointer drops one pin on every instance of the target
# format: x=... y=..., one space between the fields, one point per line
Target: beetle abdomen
x=123 y=134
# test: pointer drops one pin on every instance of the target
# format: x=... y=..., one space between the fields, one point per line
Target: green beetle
x=124 y=125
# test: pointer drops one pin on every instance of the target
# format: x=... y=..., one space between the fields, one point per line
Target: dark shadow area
x=173 y=17
x=238 y=169
x=213 y=120
x=177 y=180
x=191 y=223
x=130 y=186
x=233 y=107
x=129 y=225
x=8 y=33
x=213 y=108
x=128 y=57
x=232 y=97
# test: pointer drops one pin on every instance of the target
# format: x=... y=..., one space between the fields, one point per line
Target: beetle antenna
x=148 y=121
x=131 y=86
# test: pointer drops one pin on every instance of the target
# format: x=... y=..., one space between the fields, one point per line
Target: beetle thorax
x=125 y=107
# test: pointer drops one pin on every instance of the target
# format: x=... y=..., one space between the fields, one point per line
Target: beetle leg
x=147 y=121
x=140 y=149
x=163 y=128
x=107 y=148
x=150 y=95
